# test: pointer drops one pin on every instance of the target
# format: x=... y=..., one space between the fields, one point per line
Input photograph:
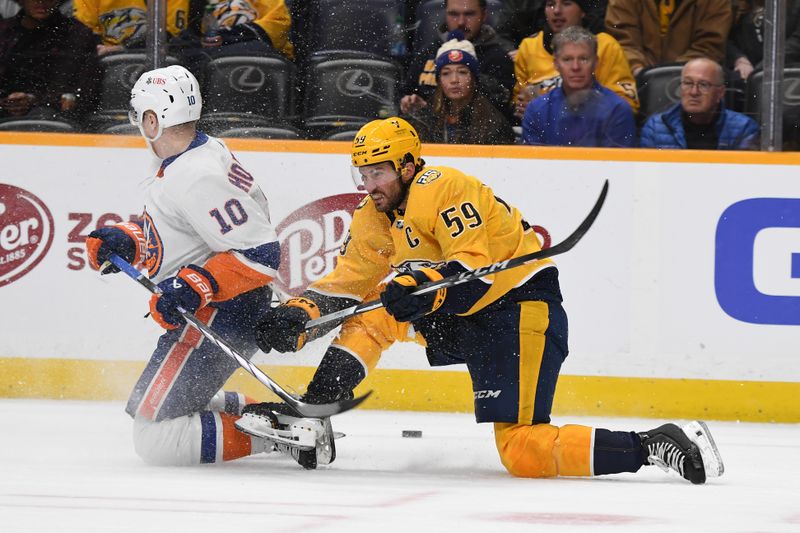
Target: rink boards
x=684 y=298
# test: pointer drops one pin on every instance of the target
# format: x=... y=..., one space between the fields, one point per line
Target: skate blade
x=699 y=433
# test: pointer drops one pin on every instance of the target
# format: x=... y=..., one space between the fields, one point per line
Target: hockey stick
x=557 y=249
x=301 y=408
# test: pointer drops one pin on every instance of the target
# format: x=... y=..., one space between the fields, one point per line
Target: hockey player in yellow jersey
x=430 y=222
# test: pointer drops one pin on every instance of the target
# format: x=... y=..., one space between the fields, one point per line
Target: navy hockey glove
x=283 y=328
x=405 y=307
x=125 y=240
x=192 y=288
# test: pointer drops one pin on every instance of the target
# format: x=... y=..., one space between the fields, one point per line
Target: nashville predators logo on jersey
x=429 y=176
x=234 y=12
x=120 y=25
x=154 y=253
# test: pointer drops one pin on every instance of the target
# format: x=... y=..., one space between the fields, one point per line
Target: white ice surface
x=70 y=467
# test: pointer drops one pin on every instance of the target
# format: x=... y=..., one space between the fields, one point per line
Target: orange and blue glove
x=284 y=327
x=125 y=240
x=407 y=307
x=191 y=289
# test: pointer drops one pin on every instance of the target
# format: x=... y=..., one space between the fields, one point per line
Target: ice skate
x=309 y=441
x=690 y=451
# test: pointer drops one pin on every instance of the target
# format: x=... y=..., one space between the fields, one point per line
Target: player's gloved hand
x=405 y=307
x=192 y=288
x=125 y=240
x=283 y=328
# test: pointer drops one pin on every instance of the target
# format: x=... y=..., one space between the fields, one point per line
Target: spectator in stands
x=47 y=64
x=745 y=46
x=458 y=114
x=658 y=32
x=700 y=121
x=246 y=28
x=534 y=69
x=497 y=69
x=254 y=26
x=9 y=8
x=580 y=112
x=518 y=19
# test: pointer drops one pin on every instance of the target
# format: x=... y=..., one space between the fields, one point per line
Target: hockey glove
x=406 y=307
x=125 y=240
x=283 y=328
x=191 y=289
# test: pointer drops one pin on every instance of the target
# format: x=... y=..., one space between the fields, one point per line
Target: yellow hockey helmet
x=389 y=139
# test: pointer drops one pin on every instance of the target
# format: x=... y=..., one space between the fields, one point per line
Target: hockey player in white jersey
x=206 y=239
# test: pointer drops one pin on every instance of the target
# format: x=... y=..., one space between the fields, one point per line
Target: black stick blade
x=325 y=410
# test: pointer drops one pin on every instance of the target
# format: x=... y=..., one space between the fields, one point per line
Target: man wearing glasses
x=700 y=121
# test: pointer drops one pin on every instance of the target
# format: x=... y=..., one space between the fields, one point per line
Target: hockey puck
x=412 y=433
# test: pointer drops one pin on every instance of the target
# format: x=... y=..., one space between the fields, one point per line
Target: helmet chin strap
x=154 y=139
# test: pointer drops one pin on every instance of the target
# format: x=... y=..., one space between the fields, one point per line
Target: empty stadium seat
x=120 y=72
x=215 y=123
x=342 y=134
x=659 y=88
x=372 y=26
x=790 y=90
x=261 y=132
x=349 y=92
x=123 y=128
x=37 y=125
x=262 y=86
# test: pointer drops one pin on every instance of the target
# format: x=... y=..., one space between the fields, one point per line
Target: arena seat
x=659 y=88
x=262 y=86
x=261 y=132
x=361 y=25
x=37 y=125
x=349 y=91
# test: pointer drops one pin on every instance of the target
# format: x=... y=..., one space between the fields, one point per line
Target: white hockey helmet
x=172 y=93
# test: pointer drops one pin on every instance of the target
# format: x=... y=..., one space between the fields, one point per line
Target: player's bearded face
x=382 y=182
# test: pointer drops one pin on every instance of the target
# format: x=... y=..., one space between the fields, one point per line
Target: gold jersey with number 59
x=450 y=217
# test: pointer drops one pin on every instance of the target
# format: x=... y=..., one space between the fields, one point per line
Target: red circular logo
x=26 y=232
x=310 y=240
x=454 y=56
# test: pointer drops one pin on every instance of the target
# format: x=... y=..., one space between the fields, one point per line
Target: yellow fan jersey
x=119 y=21
x=450 y=219
x=534 y=66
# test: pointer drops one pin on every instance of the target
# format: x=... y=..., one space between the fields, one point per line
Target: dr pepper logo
x=26 y=232
x=310 y=239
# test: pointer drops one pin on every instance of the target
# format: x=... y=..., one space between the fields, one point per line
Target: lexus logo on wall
x=354 y=83
x=130 y=74
x=246 y=79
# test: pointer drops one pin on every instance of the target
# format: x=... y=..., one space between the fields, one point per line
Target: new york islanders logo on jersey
x=155 y=249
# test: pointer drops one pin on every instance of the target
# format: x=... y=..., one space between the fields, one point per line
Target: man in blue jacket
x=580 y=112
x=700 y=121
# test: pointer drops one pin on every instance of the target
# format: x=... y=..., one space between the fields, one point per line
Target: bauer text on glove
x=191 y=289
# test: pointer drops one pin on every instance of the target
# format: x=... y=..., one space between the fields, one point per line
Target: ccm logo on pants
x=757 y=261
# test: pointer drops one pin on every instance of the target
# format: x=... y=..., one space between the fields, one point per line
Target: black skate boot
x=668 y=447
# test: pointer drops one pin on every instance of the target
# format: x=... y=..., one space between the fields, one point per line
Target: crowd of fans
x=560 y=72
